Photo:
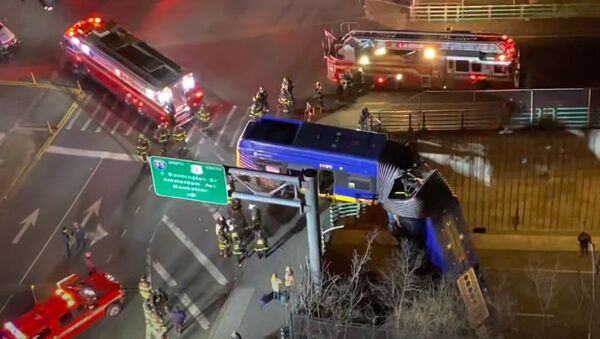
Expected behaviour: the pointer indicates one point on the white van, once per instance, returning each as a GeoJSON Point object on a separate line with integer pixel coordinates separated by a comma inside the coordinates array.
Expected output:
{"type": "Point", "coordinates": [8, 39]}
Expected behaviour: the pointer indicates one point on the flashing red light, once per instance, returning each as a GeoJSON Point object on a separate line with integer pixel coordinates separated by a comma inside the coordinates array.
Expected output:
{"type": "Point", "coordinates": [97, 20]}
{"type": "Point", "coordinates": [71, 32]}
{"type": "Point", "coordinates": [199, 94]}
{"type": "Point", "coordinates": [380, 80]}
{"type": "Point", "coordinates": [472, 77]}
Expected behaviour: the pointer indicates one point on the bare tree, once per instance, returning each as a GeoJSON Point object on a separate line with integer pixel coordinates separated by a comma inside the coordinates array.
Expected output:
{"type": "Point", "coordinates": [544, 287]}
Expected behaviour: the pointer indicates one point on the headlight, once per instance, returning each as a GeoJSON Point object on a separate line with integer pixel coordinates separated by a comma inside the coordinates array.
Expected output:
{"type": "Point", "coordinates": [429, 53]}
{"type": "Point", "coordinates": [363, 60]}
{"type": "Point", "coordinates": [85, 49]}
{"type": "Point", "coordinates": [88, 292]}
{"type": "Point", "coordinates": [75, 41]}
{"type": "Point", "coordinates": [188, 82]}
{"type": "Point", "coordinates": [150, 93]}
{"type": "Point", "coordinates": [164, 96]}
{"type": "Point", "coordinates": [380, 51]}
{"type": "Point", "coordinates": [399, 77]}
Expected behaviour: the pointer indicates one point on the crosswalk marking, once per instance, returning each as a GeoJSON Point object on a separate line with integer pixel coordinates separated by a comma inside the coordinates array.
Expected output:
{"type": "Point", "coordinates": [99, 105]}
{"type": "Point", "coordinates": [108, 114]}
{"type": "Point", "coordinates": [89, 153]}
{"type": "Point", "coordinates": [130, 129]}
{"type": "Point", "coordinates": [183, 297]}
{"type": "Point", "coordinates": [201, 257]}
{"type": "Point", "coordinates": [114, 129]}
{"type": "Point", "coordinates": [70, 124]}
{"type": "Point", "coordinates": [225, 124]}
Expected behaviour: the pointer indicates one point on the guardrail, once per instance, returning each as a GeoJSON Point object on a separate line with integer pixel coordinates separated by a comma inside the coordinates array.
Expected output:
{"type": "Point", "coordinates": [458, 12]}
{"type": "Point", "coordinates": [331, 216]}
{"type": "Point", "coordinates": [576, 108]}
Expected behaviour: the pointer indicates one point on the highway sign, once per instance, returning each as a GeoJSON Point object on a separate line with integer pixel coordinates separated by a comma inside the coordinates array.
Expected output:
{"type": "Point", "coordinates": [189, 180]}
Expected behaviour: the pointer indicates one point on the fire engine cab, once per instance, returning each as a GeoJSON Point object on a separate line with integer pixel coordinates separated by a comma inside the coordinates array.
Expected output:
{"type": "Point", "coordinates": [415, 59]}
{"type": "Point", "coordinates": [144, 78]}
{"type": "Point", "coordinates": [75, 305]}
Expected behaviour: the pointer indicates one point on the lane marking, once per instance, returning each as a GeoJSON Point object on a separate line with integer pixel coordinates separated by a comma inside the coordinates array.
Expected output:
{"type": "Point", "coordinates": [106, 116]}
{"type": "Point", "coordinates": [225, 124]}
{"type": "Point", "coordinates": [148, 266]}
{"type": "Point", "coordinates": [6, 302]}
{"type": "Point", "coordinates": [201, 257]}
{"type": "Point", "coordinates": [149, 188]}
{"type": "Point", "coordinates": [130, 129]}
{"type": "Point", "coordinates": [123, 233]}
{"type": "Point", "coordinates": [146, 127]}
{"type": "Point", "coordinates": [183, 297]}
{"type": "Point", "coordinates": [137, 210]}
{"type": "Point", "coordinates": [154, 233]}
{"type": "Point", "coordinates": [60, 222]}
{"type": "Point", "coordinates": [89, 120]}
{"type": "Point", "coordinates": [89, 153]}
{"type": "Point", "coordinates": [109, 257]}
{"type": "Point", "coordinates": [116, 126]}
{"type": "Point", "coordinates": [72, 121]}
{"type": "Point", "coordinates": [219, 156]}
{"type": "Point", "coordinates": [235, 136]}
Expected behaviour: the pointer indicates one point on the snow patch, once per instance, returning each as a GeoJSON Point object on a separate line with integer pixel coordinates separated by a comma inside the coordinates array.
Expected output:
{"type": "Point", "coordinates": [471, 166]}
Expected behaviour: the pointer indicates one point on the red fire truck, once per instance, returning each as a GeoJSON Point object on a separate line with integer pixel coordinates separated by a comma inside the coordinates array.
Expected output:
{"type": "Point", "coordinates": [75, 305]}
{"type": "Point", "coordinates": [155, 85]}
{"type": "Point", "coordinates": [448, 60]}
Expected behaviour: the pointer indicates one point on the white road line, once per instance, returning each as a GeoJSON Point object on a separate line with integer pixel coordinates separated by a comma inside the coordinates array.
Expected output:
{"type": "Point", "coordinates": [190, 135]}
{"type": "Point", "coordinates": [137, 210]}
{"type": "Point", "coordinates": [73, 119]}
{"type": "Point", "coordinates": [108, 114]}
{"type": "Point", "coordinates": [235, 136]}
{"type": "Point", "coordinates": [123, 233]}
{"type": "Point", "coordinates": [219, 156]}
{"type": "Point", "coordinates": [130, 129]}
{"type": "Point", "coordinates": [183, 297]}
{"type": "Point", "coordinates": [149, 188]}
{"type": "Point", "coordinates": [89, 153]}
{"type": "Point", "coordinates": [148, 266]}
{"type": "Point", "coordinates": [225, 124]}
{"type": "Point", "coordinates": [6, 302]}
{"type": "Point", "coordinates": [60, 222]}
{"type": "Point", "coordinates": [99, 105]}
{"type": "Point", "coordinates": [116, 126]}
{"type": "Point", "coordinates": [201, 257]}
{"type": "Point", "coordinates": [109, 257]}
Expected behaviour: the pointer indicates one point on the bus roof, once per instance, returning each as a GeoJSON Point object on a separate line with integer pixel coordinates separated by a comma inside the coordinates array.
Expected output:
{"type": "Point", "coordinates": [135, 54]}
{"type": "Point", "coordinates": [330, 139]}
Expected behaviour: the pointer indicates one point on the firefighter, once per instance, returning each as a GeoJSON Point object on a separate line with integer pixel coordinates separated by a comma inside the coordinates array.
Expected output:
{"type": "Point", "coordinates": [255, 217]}
{"type": "Point", "coordinates": [163, 136]}
{"type": "Point", "coordinates": [145, 288]}
{"type": "Point", "coordinates": [261, 246]}
{"type": "Point", "coordinates": [318, 96]}
{"type": "Point", "coordinates": [344, 85]}
{"type": "Point", "coordinates": [203, 117]}
{"type": "Point", "coordinates": [148, 311]}
{"type": "Point", "coordinates": [309, 112]}
{"type": "Point", "coordinates": [235, 205]}
{"type": "Point", "coordinates": [179, 136]}
{"type": "Point", "coordinates": [364, 119]}
{"type": "Point", "coordinates": [160, 301]}
{"type": "Point", "coordinates": [286, 102]}
{"type": "Point", "coordinates": [143, 148]}
{"type": "Point", "coordinates": [159, 323]}
{"type": "Point", "coordinates": [238, 248]}
{"type": "Point", "coordinates": [261, 98]}
{"type": "Point", "coordinates": [224, 243]}
{"type": "Point", "coordinates": [287, 87]}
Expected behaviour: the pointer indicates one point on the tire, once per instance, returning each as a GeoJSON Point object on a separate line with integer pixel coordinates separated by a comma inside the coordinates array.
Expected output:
{"type": "Point", "coordinates": [113, 310]}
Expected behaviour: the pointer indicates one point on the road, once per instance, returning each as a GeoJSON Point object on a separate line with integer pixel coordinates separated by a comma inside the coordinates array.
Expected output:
{"type": "Point", "coordinates": [88, 174]}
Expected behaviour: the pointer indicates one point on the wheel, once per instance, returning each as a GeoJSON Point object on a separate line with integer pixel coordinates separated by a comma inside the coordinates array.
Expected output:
{"type": "Point", "coordinates": [113, 309]}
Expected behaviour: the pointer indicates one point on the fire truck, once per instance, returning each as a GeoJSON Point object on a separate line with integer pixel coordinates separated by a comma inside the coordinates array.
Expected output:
{"type": "Point", "coordinates": [75, 304]}
{"type": "Point", "coordinates": [144, 78]}
{"type": "Point", "coordinates": [430, 60]}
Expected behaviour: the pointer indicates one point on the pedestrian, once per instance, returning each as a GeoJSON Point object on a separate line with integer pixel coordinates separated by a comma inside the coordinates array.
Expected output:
{"type": "Point", "coordinates": [238, 248]}
{"type": "Point", "coordinates": [275, 285]}
{"type": "Point", "coordinates": [584, 242]}
{"type": "Point", "coordinates": [178, 317]}
{"type": "Point", "coordinates": [79, 236]}
{"type": "Point", "coordinates": [89, 263]}
{"type": "Point", "coordinates": [261, 246]}
{"type": "Point", "coordinates": [66, 236]}
{"type": "Point", "coordinates": [289, 278]}
{"type": "Point", "coordinates": [145, 288]}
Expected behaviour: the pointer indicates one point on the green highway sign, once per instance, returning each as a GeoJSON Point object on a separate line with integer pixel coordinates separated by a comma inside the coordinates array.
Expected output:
{"type": "Point", "coordinates": [189, 180]}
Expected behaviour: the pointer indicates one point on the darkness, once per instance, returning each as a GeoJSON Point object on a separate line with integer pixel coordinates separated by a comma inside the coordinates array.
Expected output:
{"type": "Point", "coordinates": [564, 62]}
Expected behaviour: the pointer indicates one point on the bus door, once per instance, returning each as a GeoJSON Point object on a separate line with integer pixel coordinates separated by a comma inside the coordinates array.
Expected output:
{"type": "Point", "coordinates": [326, 180]}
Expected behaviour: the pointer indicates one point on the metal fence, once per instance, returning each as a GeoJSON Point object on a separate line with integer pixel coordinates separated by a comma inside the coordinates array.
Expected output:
{"type": "Point", "coordinates": [577, 108]}
{"type": "Point", "coordinates": [459, 12]}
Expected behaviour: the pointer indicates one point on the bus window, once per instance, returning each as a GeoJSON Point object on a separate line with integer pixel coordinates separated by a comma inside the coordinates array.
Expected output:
{"type": "Point", "coordinates": [450, 66]}
{"type": "Point", "coordinates": [461, 66]}
{"type": "Point", "coordinates": [326, 181]}
{"type": "Point", "coordinates": [476, 67]}
{"type": "Point", "coordinates": [43, 334]}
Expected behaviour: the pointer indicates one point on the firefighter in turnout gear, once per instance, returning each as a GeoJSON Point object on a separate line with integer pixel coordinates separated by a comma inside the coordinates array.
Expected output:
{"type": "Point", "coordinates": [179, 136]}
{"type": "Point", "coordinates": [203, 117]}
{"type": "Point", "coordinates": [238, 248]}
{"type": "Point", "coordinates": [261, 246]}
{"type": "Point", "coordinates": [318, 96]}
{"type": "Point", "coordinates": [224, 244]}
{"type": "Point", "coordinates": [143, 148]}
{"type": "Point", "coordinates": [145, 288]}
{"type": "Point", "coordinates": [255, 217]}
{"type": "Point", "coordinates": [163, 136]}
{"type": "Point", "coordinates": [158, 323]}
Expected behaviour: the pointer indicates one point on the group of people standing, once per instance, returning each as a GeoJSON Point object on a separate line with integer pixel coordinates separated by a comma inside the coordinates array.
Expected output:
{"type": "Point", "coordinates": [234, 234]}
{"type": "Point", "coordinates": [157, 308]}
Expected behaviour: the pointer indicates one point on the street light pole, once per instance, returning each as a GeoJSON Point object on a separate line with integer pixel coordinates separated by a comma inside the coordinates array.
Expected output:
{"type": "Point", "coordinates": [312, 224]}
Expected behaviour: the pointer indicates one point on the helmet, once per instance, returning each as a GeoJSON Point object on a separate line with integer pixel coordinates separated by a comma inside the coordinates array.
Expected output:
{"type": "Point", "coordinates": [317, 84]}
{"type": "Point", "coordinates": [261, 89]}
